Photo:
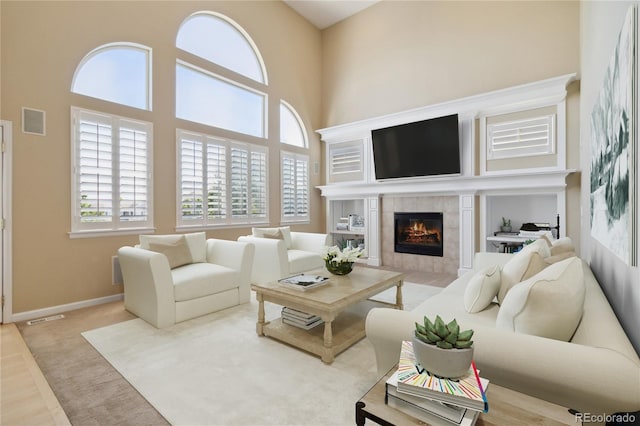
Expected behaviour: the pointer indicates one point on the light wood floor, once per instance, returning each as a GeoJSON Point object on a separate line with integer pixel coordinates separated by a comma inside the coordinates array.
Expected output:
{"type": "Point", "coordinates": [25, 395]}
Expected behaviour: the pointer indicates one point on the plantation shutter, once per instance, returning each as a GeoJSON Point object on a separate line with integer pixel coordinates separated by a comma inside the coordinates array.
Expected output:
{"type": "Point", "coordinates": [521, 138]}
{"type": "Point", "coordinates": [216, 181]}
{"type": "Point", "coordinates": [239, 182]}
{"type": "Point", "coordinates": [295, 187]}
{"type": "Point", "coordinates": [111, 173]}
{"type": "Point", "coordinates": [95, 153]}
{"type": "Point", "coordinates": [346, 161]}
{"type": "Point", "coordinates": [191, 177]}
{"type": "Point", "coordinates": [259, 203]}
{"type": "Point", "coordinates": [134, 181]}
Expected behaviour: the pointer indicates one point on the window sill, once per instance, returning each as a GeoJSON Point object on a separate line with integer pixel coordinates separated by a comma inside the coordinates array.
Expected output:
{"type": "Point", "coordinates": [110, 233]}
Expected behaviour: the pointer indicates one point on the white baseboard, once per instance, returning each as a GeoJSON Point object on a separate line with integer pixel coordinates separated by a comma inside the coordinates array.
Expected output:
{"type": "Point", "coordinates": [53, 310]}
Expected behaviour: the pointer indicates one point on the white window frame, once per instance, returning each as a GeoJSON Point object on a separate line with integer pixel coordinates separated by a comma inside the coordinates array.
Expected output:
{"type": "Point", "coordinates": [116, 46]}
{"type": "Point", "coordinates": [298, 120]}
{"type": "Point", "coordinates": [229, 220]}
{"type": "Point", "coordinates": [296, 218]}
{"type": "Point", "coordinates": [80, 229]}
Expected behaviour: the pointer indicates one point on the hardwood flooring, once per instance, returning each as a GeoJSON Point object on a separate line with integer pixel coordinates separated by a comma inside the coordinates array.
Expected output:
{"type": "Point", "coordinates": [25, 395]}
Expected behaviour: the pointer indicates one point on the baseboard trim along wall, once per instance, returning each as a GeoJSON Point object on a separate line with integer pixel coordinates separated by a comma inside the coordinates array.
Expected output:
{"type": "Point", "coordinates": [53, 310]}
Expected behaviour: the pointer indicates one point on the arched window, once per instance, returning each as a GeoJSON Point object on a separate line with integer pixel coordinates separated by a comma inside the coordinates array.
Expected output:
{"type": "Point", "coordinates": [221, 181]}
{"type": "Point", "coordinates": [118, 72]}
{"type": "Point", "coordinates": [205, 96]}
{"type": "Point", "coordinates": [221, 41]}
{"type": "Point", "coordinates": [292, 130]}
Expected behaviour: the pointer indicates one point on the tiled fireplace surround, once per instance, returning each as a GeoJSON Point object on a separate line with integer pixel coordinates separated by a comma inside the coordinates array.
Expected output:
{"type": "Point", "coordinates": [449, 206]}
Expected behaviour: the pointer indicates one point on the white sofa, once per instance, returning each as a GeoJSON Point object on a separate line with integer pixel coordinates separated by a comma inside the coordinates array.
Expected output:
{"type": "Point", "coordinates": [596, 371]}
{"type": "Point", "coordinates": [280, 253]}
{"type": "Point", "coordinates": [177, 282]}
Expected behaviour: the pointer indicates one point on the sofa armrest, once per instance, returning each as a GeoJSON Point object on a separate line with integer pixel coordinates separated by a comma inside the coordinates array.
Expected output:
{"type": "Point", "coordinates": [585, 378]}
{"type": "Point", "coordinates": [309, 241]}
{"type": "Point", "coordinates": [234, 255]}
{"type": "Point", "coordinates": [270, 260]}
{"type": "Point", "coordinates": [148, 285]}
{"type": "Point", "coordinates": [484, 259]}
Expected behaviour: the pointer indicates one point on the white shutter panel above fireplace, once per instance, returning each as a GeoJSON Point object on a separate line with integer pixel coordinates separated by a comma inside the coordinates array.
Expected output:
{"type": "Point", "coordinates": [346, 161]}
{"type": "Point", "coordinates": [521, 138]}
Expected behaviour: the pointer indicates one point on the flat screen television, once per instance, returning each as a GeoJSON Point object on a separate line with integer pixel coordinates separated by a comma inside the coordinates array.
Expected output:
{"type": "Point", "coordinates": [424, 148]}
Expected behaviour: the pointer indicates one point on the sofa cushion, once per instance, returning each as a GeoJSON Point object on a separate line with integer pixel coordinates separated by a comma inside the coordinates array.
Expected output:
{"type": "Point", "coordinates": [196, 241]}
{"type": "Point", "coordinates": [202, 279]}
{"type": "Point", "coordinates": [301, 261]}
{"type": "Point", "coordinates": [523, 265]}
{"type": "Point", "coordinates": [549, 304]}
{"type": "Point", "coordinates": [482, 289]}
{"type": "Point", "coordinates": [280, 233]}
{"type": "Point", "coordinates": [177, 252]}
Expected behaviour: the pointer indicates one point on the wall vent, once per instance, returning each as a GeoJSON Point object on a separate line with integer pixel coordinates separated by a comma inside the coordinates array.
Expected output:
{"type": "Point", "coordinates": [46, 319]}
{"type": "Point", "coordinates": [116, 272]}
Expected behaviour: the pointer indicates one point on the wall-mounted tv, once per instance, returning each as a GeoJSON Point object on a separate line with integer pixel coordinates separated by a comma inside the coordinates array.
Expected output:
{"type": "Point", "coordinates": [424, 148]}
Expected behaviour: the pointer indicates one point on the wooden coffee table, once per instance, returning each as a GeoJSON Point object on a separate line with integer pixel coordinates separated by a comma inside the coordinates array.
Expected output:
{"type": "Point", "coordinates": [342, 303]}
{"type": "Point", "coordinates": [506, 407]}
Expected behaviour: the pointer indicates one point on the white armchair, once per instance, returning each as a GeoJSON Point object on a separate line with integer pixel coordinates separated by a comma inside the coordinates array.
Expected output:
{"type": "Point", "coordinates": [173, 278]}
{"type": "Point", "coordinates": [277, 258]}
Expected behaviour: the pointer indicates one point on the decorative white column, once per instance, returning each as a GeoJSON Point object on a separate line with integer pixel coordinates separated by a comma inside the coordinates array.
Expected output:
{"type": "Point", "coordinates": [467, 232]}
{"type": "Point", "coordinates": [372, 211]}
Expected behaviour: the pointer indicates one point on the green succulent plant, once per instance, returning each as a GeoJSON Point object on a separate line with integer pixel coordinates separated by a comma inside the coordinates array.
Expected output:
{"type": "Point", "coordinates": [445, 336]}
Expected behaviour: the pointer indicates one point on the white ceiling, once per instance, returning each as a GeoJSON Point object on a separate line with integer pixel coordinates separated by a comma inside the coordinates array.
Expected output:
{"type": "Point", "coordinates": [324, 13]}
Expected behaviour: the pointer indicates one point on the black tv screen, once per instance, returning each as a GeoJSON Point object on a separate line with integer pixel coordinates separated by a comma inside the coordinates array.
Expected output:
{"type": "Point", "coordinates": [424, 148]}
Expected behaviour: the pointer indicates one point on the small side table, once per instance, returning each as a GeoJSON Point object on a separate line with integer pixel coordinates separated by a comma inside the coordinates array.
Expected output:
{"type": "Point", "coordinates": [506, 407]}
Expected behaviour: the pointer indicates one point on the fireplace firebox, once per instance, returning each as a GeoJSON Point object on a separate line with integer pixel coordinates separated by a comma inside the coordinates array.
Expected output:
{"type": "Point", "coordinates": [418, 233]}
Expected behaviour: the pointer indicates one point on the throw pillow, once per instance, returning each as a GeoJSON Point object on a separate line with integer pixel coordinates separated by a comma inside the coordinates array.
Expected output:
{"type": "Point", "coordinates": [549, 304]}
{"type": "Point", "coordinates": [177, 252]}
{"type": "Point", "coordinates": [562, 245]}
{"type": "Point", "coordinates": [521, 264]}
{"type": "Point", "coordinates": [280, 233]}
{"type": "Point", "coordinates": [482, 289]}
{"type": "Point", "coordinates": [196, 242]}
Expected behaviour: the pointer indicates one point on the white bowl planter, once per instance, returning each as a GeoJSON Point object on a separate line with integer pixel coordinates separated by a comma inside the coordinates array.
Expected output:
{"type": "Point", "coordinates": [449, 363]}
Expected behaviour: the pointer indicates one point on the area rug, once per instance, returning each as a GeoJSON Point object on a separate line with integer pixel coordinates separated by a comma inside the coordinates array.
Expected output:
{"type": "Point", "coordinates": [215, 370]}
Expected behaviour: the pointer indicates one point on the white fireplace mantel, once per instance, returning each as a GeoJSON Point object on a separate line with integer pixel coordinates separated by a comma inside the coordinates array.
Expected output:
{"type": "Point", "coordinates": [475, 179]}
{"type": "Point", "coordinates": [551, 180]}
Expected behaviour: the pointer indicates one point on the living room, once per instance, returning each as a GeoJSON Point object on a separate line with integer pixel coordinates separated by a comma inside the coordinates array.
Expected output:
{"type": "Point", "coordinates": [390, 57]}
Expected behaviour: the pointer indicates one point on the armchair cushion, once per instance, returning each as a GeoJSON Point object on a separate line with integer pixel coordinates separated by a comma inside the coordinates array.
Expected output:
{"type": "Point", "coordinates": [302, 260]}
{"type": "Point", "coordinates": [177, 252]}
{"type": "Point", "coordinates": [202, 279]}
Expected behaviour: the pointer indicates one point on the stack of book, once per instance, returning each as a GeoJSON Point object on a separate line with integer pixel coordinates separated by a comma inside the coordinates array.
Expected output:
{"type": "Point", "coordinates": [432, 399]}
{"type": "Point", "coordinates": [300, 319]}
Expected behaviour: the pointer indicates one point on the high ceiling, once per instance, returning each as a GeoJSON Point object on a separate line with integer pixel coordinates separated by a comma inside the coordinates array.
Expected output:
{"type": "Point", "coordinates": [324, 13]}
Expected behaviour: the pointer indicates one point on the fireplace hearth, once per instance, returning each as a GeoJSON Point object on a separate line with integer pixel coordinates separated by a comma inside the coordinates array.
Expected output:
{"type": "Point", "coordinates": [419, 233]}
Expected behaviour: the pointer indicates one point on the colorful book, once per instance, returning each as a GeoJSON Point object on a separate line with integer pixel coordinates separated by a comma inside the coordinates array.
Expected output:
{"type": "Point", "coordinates": [467, 391]}
{"type": "Point", "coordinates": [411, 404]}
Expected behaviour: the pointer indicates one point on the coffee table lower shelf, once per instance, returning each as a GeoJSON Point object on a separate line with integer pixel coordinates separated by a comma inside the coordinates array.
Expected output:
{"type": "Point", "coordinates": [346, 330]}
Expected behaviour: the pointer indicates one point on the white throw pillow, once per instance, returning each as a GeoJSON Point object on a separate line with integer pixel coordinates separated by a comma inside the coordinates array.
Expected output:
{"type": "Point", "coordinates": [481, 289]}
{"type": "Point", "coordinates": [522, 265]}
{"type": "Point", "coordinates": [178, 253]}
{"type": "Point", "coordinates": [549, 304]}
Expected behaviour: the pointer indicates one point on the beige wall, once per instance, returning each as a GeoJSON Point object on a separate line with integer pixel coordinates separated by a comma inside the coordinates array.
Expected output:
{"type": "Point", "coordinates": [398, 55]}
{"type": "Point", "coordinates": [42, 43]}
